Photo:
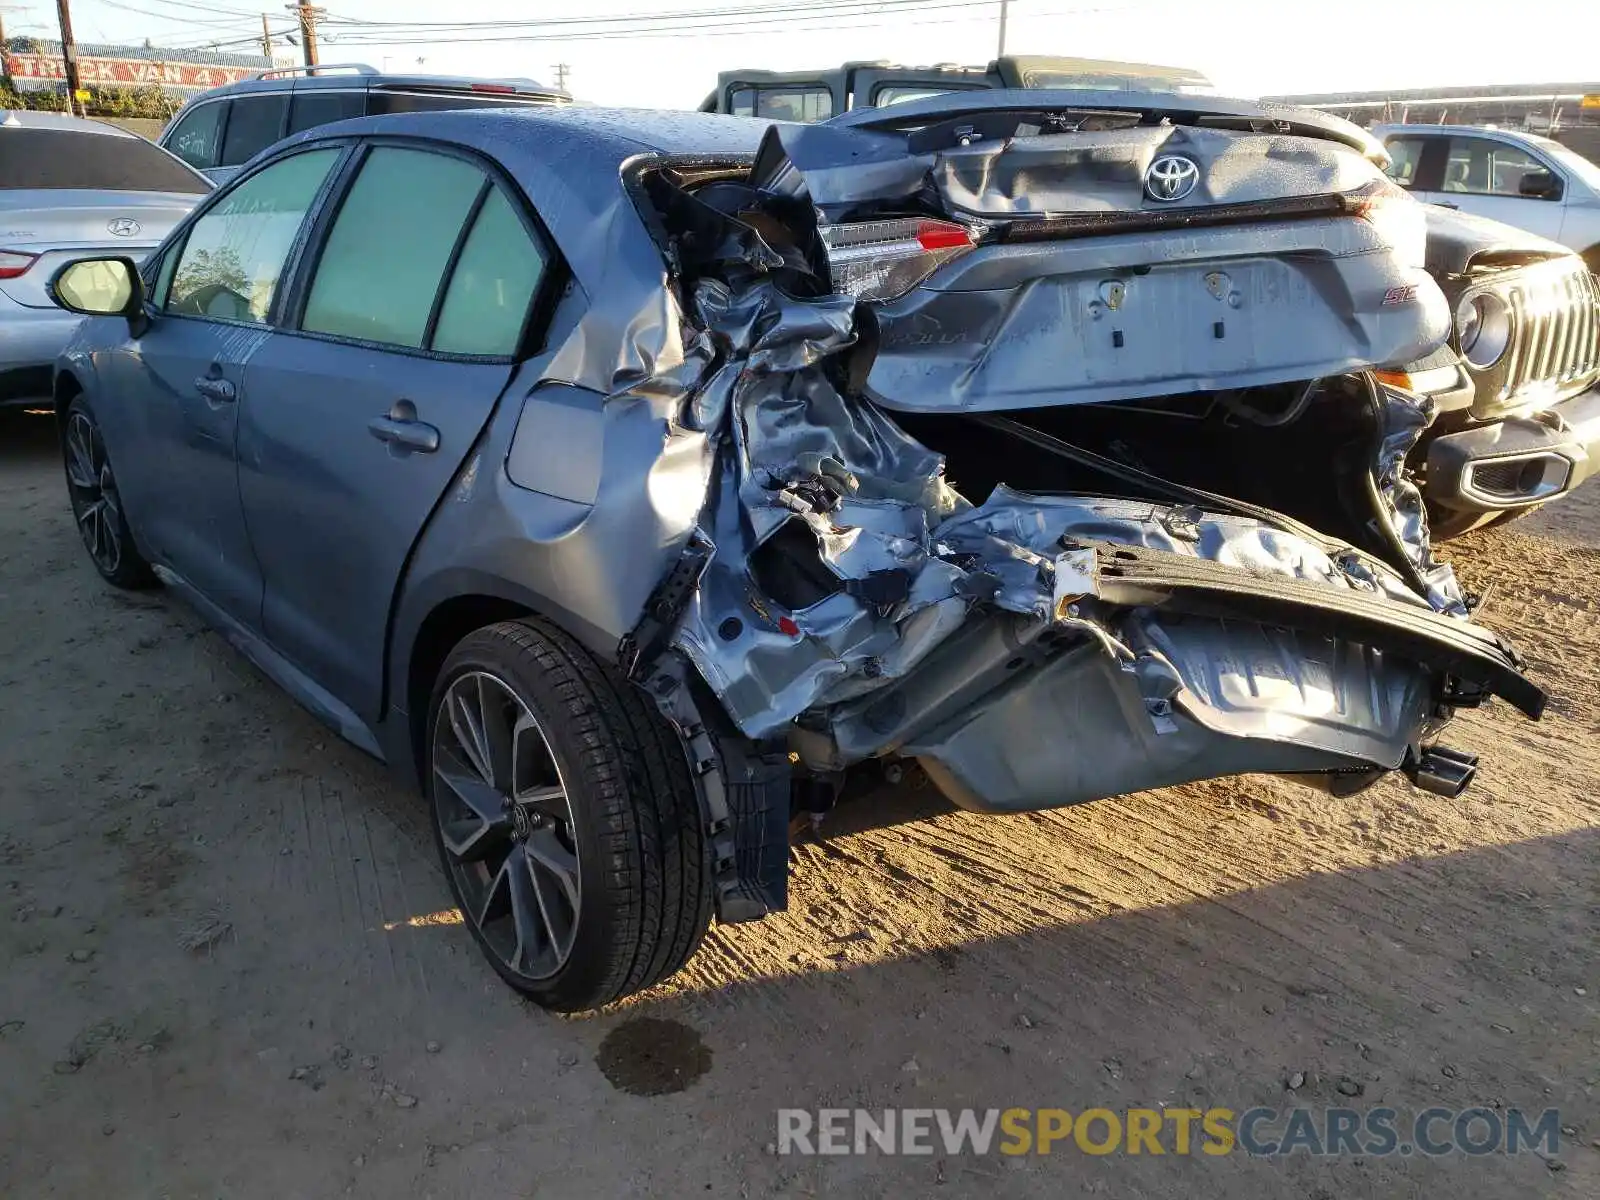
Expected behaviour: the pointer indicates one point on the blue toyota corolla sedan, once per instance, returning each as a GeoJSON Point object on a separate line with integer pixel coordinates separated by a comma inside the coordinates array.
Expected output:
{"type": "Point", "coordinates": [625, 479]}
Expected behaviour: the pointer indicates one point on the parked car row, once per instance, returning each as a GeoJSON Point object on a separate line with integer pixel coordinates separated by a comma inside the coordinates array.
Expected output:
{"type": "Point", "coordinates": [69, 188]}
{"type": "Point", "coordinates": [679, 467]}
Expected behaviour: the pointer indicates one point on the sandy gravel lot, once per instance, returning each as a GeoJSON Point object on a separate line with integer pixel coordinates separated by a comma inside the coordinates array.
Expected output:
{"type": "Point", "coordinates": [227, 967]}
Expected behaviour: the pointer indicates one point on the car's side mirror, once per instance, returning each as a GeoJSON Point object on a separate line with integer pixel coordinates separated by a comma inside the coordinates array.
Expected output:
{"type": "Point", "coordinates": [1540, 185]}
{"type": "Point", "coordinates": [102, 287]}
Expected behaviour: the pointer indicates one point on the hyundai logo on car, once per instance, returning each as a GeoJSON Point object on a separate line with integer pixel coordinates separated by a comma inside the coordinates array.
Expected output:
{"type": "Point", "coordinates": [1171, 177]}
{"type": "Point", "coordinates": [122, 227]}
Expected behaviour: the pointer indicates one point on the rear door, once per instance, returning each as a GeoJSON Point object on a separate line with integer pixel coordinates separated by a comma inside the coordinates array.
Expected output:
{"type": "Point", "coordinates": [255, 121]}
{"type": "Point", "coordinates": [408, 321]}
{"type": "Point", "coordinates": [318, 101]}
{"type": "Point", "coordinates": [1483, 176]}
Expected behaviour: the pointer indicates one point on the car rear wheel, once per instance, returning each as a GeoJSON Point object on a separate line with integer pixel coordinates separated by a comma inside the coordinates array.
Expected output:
{"type": "Point", "coordinates": [566, 818]}
{"type": "Point", "coordinates": [97, 504]}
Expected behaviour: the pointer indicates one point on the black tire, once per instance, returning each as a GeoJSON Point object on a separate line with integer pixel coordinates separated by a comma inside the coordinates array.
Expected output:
{"type": "Point", "coordinates": [644, 871]}
{"type": "Point", "coordinates": [96, 502]}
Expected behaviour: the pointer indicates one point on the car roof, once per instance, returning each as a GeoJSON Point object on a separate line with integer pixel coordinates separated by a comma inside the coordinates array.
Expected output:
{"type": "Point", "coordinates": [540, 135]}
{"type": "Point", "coordinates": [18, 118]}
{"type": "Point", "coordinates": [569, 160]}
{"type": "Point", "coordinates": [359, 75]}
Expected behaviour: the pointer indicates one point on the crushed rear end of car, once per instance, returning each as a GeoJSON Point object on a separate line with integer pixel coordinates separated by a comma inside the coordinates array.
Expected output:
{"type": "Point", "coordinates": [1060, 486]}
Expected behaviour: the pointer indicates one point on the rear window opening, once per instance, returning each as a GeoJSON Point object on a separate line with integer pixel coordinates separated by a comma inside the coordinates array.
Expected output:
{"type": "Point", "coordinates": [85, 161]}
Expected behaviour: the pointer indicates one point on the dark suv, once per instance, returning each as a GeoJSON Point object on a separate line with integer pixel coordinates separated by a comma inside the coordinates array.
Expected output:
{"type": "Point", "coordinates": [818, 95]}
{"type": "Point", "coordinates": [219, 131]}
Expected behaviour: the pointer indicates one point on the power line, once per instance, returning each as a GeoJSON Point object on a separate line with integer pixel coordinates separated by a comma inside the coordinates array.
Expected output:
{"type": "Point", "coordinates": [746, 9]}
{"type": "Point", "coordinates": [212, 9]}
{"type": "Point", "coordinates": [818, 8]}
{"type": "Point", "coordinates": [783, 17]}
{"type": "Point", "coordinates": [233, 22]}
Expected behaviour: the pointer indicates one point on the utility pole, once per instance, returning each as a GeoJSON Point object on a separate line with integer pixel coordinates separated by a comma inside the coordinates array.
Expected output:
{"type": "Point", "coordinates": [266, 39]}
{"type": "Point", "coordinates": [69, 57]}
{"type": "Point", "coordinates": [562, 70]}
{"type": "Point", "coordinates": [1004, 5]}
{"type": "Point", "coordinates": [309, 16]}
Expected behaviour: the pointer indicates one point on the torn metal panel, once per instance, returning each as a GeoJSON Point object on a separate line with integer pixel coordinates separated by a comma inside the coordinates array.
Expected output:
{"type": "Point", "coordinates": [1222, 698]}
{"type": "Point", "coordinates": [1402, 418]}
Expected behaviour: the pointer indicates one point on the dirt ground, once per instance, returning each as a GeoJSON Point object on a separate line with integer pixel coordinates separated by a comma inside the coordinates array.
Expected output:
{"type": "Point", "coordinates": [228, 968]}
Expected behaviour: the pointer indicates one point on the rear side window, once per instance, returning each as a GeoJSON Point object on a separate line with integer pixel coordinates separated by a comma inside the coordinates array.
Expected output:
{"type": "Point", "coordinates": [255, 123]}
{"type": "Point", "coordinates": [888, 94]}
{"type": "Point", "coordinates": [379, 102]}
{"type": "Point", "coordinates": [73, 159]}
{"type": "Point", "coordinates": [1406, 153]}
{"type": "Point", "coordinates": [390, 246]}
{"type": "Point", "coordinates": [1487, 167]}
{"type": "Point", "coordinates": [197, 137]}
{"type": "Point", "coordinates": [782, 103]}
{"type": "Point", "coordinates": [495, 278]}
{"type": "Point", "coordinates": [307, 110]}
{"type": "Point", "coordinates": [234, 255]}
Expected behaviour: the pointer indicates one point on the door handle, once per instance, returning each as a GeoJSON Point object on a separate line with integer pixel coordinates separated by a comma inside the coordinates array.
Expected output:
{"type": "Point", "coordinates": [401, 430]}
{"type": "Point", "coordinates": [218, 391]}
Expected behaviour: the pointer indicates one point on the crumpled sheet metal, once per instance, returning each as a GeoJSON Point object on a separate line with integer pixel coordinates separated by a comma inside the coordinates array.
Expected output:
{"type": "Point", "coordinates": [1403, 417]}
{"type": "Point", "coordinates": [783, 416]}
{"type": "Point", "coordinates": [1241, 697]}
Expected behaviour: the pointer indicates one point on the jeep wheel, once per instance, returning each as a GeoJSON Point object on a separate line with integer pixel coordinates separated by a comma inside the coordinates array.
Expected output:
{"type": "Point", "coordinates": [566, 818]}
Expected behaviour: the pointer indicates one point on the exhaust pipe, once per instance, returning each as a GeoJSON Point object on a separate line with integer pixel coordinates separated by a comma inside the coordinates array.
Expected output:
{"type": "Point", "coordinates": [1441, 771]}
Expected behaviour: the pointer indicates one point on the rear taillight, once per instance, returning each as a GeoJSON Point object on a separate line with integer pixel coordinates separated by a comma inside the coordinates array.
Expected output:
{"type": "Point", "coordinates": [14, 263]}
{"type": "Point", "coordinates": [880, 260]}
{"type": "Point", "coordinates": [1396, 216]}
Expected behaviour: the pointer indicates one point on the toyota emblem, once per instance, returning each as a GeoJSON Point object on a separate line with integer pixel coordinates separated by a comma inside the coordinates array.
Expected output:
{"type": "Point", "coordinates": [122, 227]}
{"type": "Point", "coordinates": [1171, 177]}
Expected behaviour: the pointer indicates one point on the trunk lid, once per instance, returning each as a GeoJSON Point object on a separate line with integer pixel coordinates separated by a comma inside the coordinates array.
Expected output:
{"type": "Point", "coordinates": [1113, 252]}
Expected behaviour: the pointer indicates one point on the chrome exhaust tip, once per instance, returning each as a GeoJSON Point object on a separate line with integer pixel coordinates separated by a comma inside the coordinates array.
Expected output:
{"type": "Point", "coordinates": [1441, 771]}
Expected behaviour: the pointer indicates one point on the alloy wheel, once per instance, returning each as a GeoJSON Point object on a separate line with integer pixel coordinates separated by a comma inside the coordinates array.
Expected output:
{"type": "Point", "coordinates": [95, 502]}
{"type": "Point", "coordinates": [506, 824]}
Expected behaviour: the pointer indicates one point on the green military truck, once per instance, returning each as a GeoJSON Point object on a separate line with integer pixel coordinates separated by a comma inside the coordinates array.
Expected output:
{"type": "Point", "coordinates": [818, 95]}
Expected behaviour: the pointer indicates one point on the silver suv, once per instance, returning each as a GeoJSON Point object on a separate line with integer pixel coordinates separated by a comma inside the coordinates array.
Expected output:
{"type": "Point", "coordinates": [219, 131]}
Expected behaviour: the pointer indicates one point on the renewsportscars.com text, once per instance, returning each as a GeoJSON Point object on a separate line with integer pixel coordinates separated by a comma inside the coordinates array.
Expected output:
{"type": "Point", "coordinates": [1258, 1132]}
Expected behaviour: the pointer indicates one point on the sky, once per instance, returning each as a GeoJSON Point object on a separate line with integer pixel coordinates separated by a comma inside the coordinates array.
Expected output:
{"type": "Point", "coordinates": [1248, 47]}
